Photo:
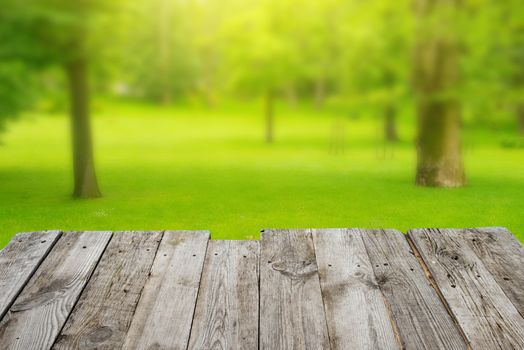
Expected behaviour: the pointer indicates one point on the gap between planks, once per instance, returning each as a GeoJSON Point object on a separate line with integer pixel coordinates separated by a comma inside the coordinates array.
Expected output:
{"type": "Point", "coordinates": [15, 277]}
{"type": "Point", "coordinates": [429, 276]}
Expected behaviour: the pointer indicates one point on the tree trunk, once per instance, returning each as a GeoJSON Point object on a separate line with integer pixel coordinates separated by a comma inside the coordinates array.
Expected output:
{"type": "Point", "coordinates": [292, 96]}
{"type": "Point", "coordinates": [164, 38]}
{"type": "Point", "coordinates": [390, 124]}
{"type": "Point", "coordinates": [436, 75]}
{"type": "Point", "coordinates": [269, 117]}
{"type": "Point", "coordinates": [520, 116]}
{"type": "Point", "coordinates": [320, 92]}
{"type": "Point", "coordinates": [86, 185]}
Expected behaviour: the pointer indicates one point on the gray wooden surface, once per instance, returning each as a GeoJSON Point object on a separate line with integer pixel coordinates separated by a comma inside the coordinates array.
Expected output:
{"type": "Point", "coordinates": [226, 315]}
{"type": "Point", "coordinates": [40, 311]}
{"type": "Point", "coordinates": [293, 289]}
{"type": "Point", "coordinates": [489, 319]}
{"type": "Point", "coordinates": [19, 260]}
{"type": "Point", "coordinates": [347, 279]}
{"type": "Point", "coordinates": [164, 313]}
{"type": "Point", "coordinates": [420, 316]}
{"type": "Point", "coordinates": [103, 314]}
{"type": "Point", "coordinates": [291, 308]}
{"type": "Point", "coordinates": [502, 255]}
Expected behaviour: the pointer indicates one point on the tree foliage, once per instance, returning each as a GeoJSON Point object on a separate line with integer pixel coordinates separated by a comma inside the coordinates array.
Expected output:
{"type": "Point", "coordinates": [340, 50]}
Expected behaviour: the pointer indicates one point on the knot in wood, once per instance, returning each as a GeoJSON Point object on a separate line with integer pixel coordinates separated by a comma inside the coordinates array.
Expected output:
{"type": "Point", "coordinates": [36, 301]}
{"type": "Point", "coordinates": [382, 279]}
{"type": "Point", "coordinates": [296, 269]}
{"type": "Point", "coordinates": [96, 337]}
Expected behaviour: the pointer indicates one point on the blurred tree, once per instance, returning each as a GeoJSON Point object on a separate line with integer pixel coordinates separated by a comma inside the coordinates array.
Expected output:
{"type": "Point", "coordinates": [264, 62]}
{"type": "Point", "coordinates": [493, 90]}
{"type": "Point", "coordinates": [436, 79]}
{"type": "Point", "coordinates": [159, 59]}
{"type": "Point", "coordinates": [42, 33]}
{"type": "Point", "coordinates": [392, 54]}
{"type": "Point", "coordinates": [207, 21]}
{"type": "Point", "coordinates": [518, 82]}
{"type": "Point", "coordinates": [375, 56]}
{"type": "Point", "coordinates": [17, 84]}
{"type": "Point", "coordinates": [318, 36]}
{"type": "Point", "coordinates": [164, 45]}
{"type": "Point", "coordinates": [514, 19]}
{"type": "Point", "coordinates": [15, 90]}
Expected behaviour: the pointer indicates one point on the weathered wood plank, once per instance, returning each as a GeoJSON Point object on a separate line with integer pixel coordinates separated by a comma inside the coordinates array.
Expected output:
{"type": "Point", "coordinates": [164, 313]}
{"type": "Point", "coordinates": [103, 314]}
{"type": "Point", "coordinates": [40, 311]}
{"type": "Point", "coordinates": [487, 316]}
{"type": "Point", "coordinates": [356, 312]}
{"type": "Point", "coordinates": [226, 315]}
{"type": "Point", "coordinates": [19, 260]}
{"type": "Point", "coordinates": [502, 255]}
{"type": "Point", "coordinates": [421, 318]}
{"type": "Point", "coordinates": [291, 308]}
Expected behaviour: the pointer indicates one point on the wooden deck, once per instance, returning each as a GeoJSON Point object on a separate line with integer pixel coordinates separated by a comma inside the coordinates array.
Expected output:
{"type": "Point", "coordinates": [293, 289]}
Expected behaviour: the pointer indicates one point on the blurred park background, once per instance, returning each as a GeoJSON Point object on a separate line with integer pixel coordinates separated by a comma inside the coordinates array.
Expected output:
{"type": "Point", "coordinates": [236, 115]}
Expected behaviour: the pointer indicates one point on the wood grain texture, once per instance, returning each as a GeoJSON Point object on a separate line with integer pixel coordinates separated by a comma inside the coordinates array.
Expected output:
{"type": "Point", "coordinates": [487, 316]}
{"type": "Point", "coordinates": [40, 311]}
{"type": "Point", "coordinates": [356, 311]}
{"type": "Point", "coordinates": [502, 255]}
{"type": "Point", "coordinates": [164, 313]}
{"type": "Point", "coordinates": [19, 260]}
{"type": "Point", "coordinates": [103, 314]}
{"type": "Point", "coordinates": [226, 315]}
{"type": "Point", "coordinates": [291, 308]}
{"type": "Point", "coordinates": [421, 318]}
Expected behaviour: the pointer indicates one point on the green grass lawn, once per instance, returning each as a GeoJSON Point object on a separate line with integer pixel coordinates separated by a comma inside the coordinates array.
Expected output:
{"type": "Point", "coordinates": [196, 169]}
